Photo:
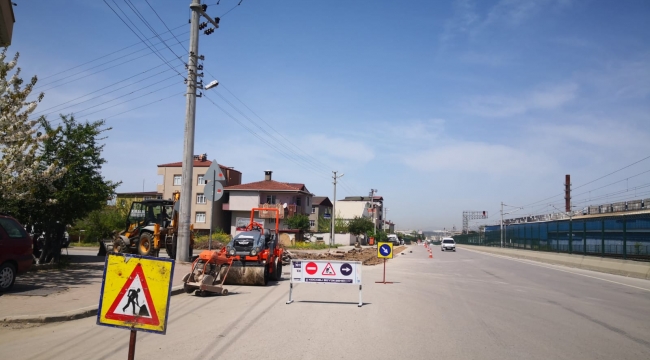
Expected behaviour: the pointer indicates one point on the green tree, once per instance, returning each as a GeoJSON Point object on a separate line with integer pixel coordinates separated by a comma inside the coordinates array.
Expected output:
{"type": "Point", "coordinates": [340, 225]}
{"type": "Point", "coordinates": [298, 222]}
{"type": "Point", "coordinates": [102, 223]}
{"type": "Point", "coordinates": [74, 147]}
{"type": "Point", "coordinates": [21, 168]}
{"type": "Point", "coordinates": [324, 225]}
{"type": "Point", "coordinates": [359, 225]}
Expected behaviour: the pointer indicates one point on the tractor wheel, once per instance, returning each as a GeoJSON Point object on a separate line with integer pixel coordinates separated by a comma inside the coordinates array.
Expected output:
{"type": "Point", "coordinates": [120, 246]}
{"type": "Point", "coordinates": [278, 274]}
{"type": "Point", "coordinates": [145, 244]}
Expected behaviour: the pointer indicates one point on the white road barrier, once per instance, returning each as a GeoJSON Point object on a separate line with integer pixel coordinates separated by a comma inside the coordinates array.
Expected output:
{"type": "Point", "coordinates": [325, 272]}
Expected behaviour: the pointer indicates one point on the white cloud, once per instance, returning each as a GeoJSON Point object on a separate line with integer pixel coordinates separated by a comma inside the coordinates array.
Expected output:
{"type": "Point", "coordinates": [354, 150]}
{"type": "Point", "coordinates": [547, 98]}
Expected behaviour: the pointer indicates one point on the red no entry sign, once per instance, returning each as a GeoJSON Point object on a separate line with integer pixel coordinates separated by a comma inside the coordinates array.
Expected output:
{"type": "Point", "coordinates": [311, 268]}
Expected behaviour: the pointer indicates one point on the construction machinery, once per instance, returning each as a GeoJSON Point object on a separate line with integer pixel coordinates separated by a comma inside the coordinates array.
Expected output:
{"type": "Point", "coordinates": [150, 226]}
{"type": "Point", "coordinates": [255, 254]}
{"type": "Point", "coordinates": [208, 274]}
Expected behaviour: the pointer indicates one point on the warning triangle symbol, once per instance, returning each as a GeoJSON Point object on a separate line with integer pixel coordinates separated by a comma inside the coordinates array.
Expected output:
{"type": "Point", "coordinates": [133, 304]}
{"type": "Point", "coordinates": [329, 270]}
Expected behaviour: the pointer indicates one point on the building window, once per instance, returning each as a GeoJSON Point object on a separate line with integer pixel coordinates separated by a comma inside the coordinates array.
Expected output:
{"type": "Point", "coordinates": [200, 180]}
{"type": "Point", "coordinates": [159, 197]}
{"type": "Point", "coordinates": [177, 180]}
{"type": "Point", "coordinates": [313, 209]}
{"type": "Point", "coordinates": [270, 199]}
{"type": "Point", "coordinates": [298, 200]}
{"type": "Point", "coordinates": [200, 217]}
{"type": "Point", "coordinates": [200, 198]}
{"type": "Point", "coordinates": [312, 223]}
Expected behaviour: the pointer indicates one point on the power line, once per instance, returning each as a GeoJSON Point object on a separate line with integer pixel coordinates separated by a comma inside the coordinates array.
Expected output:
{"type": "Point", "coordinates": [265, 141]}
{"type": "Point", "coordinates": [142, 18]}
{"type": "Point", "coordinates": [43, 112]}
{"type": "Point", "coordinates": [613, 172]}
{"type": "Point", "coordinates": [109, 54]}
{"type": "Point", "coordinates": [141, 39]}
{"type": "Point", "coordinates": [162, 21]}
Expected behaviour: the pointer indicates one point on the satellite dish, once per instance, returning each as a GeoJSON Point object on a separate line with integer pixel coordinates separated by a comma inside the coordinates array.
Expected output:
{"type": "Point", "coordinates": [284, 205]}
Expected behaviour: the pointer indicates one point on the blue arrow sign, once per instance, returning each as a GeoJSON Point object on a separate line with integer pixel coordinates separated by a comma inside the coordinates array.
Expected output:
{"type": "Point", "coordinates": [346, 269]}
{"type": "Point", "coordinates": [385, 250]}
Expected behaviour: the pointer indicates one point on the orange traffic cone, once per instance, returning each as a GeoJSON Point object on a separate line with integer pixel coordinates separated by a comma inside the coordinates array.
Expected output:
{"type": "Point", "coordinates": [430, 256]}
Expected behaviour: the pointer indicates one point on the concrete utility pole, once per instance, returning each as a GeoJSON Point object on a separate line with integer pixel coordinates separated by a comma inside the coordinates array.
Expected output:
{"type": "Point", "coordinates": [183, 242]}
{"type": "Point", "coordinates": [372, 206]}
{"type": "Point", "coordinates": [501, 224]}
{"type": "Point", "coordinates": [185, 213]}
{"type": "Point", "coordinates": [333, 217]}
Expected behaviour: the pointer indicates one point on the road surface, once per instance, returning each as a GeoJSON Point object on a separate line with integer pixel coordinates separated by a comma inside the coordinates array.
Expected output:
{"type": "Point", "coordinates": [458, 305]}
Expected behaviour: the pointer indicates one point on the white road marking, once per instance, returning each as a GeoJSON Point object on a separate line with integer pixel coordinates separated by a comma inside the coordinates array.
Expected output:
{"type": "Point", "coordinates": [530, 262]}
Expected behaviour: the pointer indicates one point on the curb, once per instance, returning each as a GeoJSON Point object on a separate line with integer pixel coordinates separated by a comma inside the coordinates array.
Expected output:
{"type": "Point", "coordinates": [84, 312]}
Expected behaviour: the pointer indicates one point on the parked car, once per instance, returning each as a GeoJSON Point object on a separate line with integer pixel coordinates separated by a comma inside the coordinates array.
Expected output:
{"type": "Point", "coordinates": [448, 244]}
{"type": "Point", "coordinates": [15, 251]}
{"type": "Point", "coordinates": [393, 239]}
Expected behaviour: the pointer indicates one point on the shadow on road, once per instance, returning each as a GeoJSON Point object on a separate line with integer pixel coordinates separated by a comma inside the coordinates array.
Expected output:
{"type": "Point", "coordinates": [332, 302]}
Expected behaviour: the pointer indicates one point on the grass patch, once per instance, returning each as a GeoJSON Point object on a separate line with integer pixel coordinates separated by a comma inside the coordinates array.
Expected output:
{"type": "Point", "coordinates": [83, 244]}
{"type": "Point", "coordinates": [219, 240]}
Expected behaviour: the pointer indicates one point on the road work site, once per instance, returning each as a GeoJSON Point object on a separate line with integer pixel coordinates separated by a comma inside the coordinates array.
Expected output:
{"type": "Point", "coordinates": [456, 305]}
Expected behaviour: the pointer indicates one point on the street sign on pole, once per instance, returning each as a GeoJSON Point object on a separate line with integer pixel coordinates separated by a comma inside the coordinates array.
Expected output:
{"type": "Point", "coordinates": [214, 173]}
{"type": "Point", "coordinates": [213, 191]}
{"type": "Point", "coordinates": [135, 293]}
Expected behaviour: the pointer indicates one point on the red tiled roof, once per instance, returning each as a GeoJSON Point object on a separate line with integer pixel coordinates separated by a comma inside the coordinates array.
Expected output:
{"type": "Point", "coordinates": [269, 185]}
{"type": "Point", "coordinates": [197, 163]}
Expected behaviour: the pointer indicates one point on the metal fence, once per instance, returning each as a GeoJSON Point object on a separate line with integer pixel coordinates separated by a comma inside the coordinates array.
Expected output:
{"type": "Point", "coordinates": [615, 236]}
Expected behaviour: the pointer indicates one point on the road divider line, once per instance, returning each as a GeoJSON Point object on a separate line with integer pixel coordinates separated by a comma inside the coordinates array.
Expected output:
{"type": "Point", "coordinates": [554, 267]}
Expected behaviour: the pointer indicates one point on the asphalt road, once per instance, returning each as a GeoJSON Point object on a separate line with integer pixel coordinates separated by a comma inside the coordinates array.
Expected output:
{"type": "Point", "coordinates": [462, 305]}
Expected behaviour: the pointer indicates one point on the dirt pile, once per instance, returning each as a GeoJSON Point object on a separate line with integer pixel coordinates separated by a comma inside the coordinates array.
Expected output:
{"type": "Point", "coordinates": [367, 256]}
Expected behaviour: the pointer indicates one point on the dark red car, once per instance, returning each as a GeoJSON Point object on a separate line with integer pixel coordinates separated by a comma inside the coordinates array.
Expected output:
{"type": "Point", "coordinates": [15, 251]}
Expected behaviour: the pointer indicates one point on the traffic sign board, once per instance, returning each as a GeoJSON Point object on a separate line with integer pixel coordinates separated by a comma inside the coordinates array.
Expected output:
{"type": "Point", "coordinates": [135, 293]}
{"type": "Point", "coordinates": [311, 268]}
{"type": "Point", "coordinates": [385, 250]}
{"type": "Point", "coordinates": [346, 269]}
{"type": "Point", "coordinates": [211, 195]}
{"type": "Point", "coordinates": [329, 270]}
{"type": "Point", "coordinates": [214, 173]}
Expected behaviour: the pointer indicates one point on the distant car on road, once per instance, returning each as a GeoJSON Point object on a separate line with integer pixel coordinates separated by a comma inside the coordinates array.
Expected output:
{"type": "Point", "coordinates": [393, 239]}
{"type": "Point", "coordinates": [448, 244]}
{"type": "Point", "coordinates": [15, 251]}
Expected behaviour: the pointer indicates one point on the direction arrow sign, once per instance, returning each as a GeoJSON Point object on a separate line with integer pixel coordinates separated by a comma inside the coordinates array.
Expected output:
{"type": "Point", "coordinates": [385, 250]}
{"type": "Point", "coordinates": [218, 190]}
{"type": "Point", "coordinates": [214, 173]}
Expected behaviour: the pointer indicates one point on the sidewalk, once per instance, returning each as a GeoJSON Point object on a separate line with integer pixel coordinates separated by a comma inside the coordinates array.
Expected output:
{"type": "Point", "coordinates": [60, 295]}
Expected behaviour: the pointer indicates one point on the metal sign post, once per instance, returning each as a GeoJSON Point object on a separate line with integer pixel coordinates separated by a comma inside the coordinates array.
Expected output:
{"type": "Point", "coordinates": [384, 251]}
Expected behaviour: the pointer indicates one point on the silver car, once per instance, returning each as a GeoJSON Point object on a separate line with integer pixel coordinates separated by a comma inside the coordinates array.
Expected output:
{"type": "Point", "coordinates": [448, 244]}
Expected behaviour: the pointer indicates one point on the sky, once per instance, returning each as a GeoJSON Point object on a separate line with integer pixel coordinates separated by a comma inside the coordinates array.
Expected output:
{"type": "Point", "coordinates": [442, 106]}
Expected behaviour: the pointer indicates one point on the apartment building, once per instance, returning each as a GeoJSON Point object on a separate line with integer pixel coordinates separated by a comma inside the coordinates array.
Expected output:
{"type": "Point", "coordinates": [201, 207]}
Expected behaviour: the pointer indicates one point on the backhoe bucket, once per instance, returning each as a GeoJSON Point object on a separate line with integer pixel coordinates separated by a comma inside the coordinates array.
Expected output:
{"type": "Point", "coordinates": [245, 275]}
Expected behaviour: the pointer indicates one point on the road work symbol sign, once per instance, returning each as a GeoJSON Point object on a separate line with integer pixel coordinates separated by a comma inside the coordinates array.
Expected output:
{"type": "Point", "coordinates": [329, 270]}
{"type": "Point", "coordinates": [385, 250]}
{"type": "Point", "coordinates": [135, 293]}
